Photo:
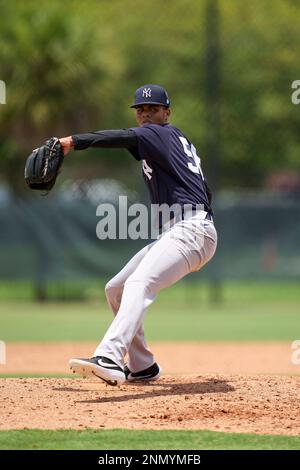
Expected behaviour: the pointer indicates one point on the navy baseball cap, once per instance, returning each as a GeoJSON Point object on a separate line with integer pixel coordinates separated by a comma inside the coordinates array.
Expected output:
{"type": "Point", "coordinates": [151, 94]}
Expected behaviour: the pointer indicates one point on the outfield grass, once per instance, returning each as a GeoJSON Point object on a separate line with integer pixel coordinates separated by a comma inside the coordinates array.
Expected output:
{"type": "Point", "coordinates": [249, 312]}
{"type": "Point", "coordinates": [130, 439]}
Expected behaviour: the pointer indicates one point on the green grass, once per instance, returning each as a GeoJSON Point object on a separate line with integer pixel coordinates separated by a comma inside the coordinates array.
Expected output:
{"type": "Point", "coordinates": [183, 290]}
{"type": "Point", "coordinates": [249, 312]}
{"type": "Point", "coordinates": [130, 439]}
{"type": "Point", "coordinates": [256, 312]}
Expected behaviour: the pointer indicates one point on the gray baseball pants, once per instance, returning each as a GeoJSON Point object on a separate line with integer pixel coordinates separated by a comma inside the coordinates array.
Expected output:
{"type": "Point", "coordinates": [184, 248]}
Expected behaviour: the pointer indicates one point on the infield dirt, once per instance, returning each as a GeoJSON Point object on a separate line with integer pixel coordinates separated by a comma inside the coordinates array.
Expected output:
{"type": "Point", "coordinates": [233, 390]}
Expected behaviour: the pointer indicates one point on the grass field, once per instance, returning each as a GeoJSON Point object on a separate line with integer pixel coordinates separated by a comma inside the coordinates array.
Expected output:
{"type": "Point", "coordinates": [129, 439]}
{"type": "Point", "coordinates": [249, 312]}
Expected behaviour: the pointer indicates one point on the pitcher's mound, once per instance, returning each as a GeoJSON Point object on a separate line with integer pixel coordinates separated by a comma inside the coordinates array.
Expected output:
{"type": "Point", "coordinates": [256, 404]}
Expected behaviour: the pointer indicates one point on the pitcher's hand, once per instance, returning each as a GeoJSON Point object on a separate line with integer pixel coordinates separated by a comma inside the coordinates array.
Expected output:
{"type": "Point", "coordinates": [67, 144]}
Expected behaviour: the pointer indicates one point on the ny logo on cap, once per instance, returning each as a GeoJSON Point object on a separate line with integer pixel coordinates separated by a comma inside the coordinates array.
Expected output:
{"type": "Point", "coordinates": [147, 92]}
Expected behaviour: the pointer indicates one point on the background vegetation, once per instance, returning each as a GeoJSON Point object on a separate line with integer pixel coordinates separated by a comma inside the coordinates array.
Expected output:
{"type": "Point", "coordinates": [228, 66]}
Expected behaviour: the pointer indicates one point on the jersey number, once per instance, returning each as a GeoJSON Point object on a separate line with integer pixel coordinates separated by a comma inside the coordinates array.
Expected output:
{"type": "Point", "coordinates": [194, 163]}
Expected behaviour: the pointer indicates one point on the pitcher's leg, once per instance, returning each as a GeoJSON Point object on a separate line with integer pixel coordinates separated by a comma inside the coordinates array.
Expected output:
{"type": "Point", "coordinates": [162, 266]}
{"type": "Point", "coordinates": [139, 355]}
{"type": "Point", "coordinates": [186, 248]}
{"type": "Point", "coordinates": [114, 287]}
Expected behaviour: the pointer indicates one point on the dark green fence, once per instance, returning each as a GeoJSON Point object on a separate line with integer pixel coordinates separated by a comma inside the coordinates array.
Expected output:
{"type": "Point", "coordinates": [50, 240]}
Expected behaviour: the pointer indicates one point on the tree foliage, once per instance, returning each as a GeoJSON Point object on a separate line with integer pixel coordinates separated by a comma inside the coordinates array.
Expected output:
{"type": "Point", "coordinates": [73, 66]}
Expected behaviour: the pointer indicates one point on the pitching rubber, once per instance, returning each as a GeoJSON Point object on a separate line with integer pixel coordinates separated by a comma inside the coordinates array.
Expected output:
{"type": "Point", "coordinates": [87, 369]}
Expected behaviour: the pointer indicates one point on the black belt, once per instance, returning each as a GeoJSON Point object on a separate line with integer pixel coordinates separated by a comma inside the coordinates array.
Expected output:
{"type": "Point", "coordinates": [208, 217]}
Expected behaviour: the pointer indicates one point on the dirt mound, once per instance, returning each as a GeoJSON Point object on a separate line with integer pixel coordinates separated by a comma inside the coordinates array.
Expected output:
{"type": "Point", "coordinates": [233, 403]}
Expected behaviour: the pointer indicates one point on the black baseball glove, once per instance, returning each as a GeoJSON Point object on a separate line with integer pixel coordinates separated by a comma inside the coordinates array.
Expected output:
{"type": "Point", "coordinates": [43, 165]}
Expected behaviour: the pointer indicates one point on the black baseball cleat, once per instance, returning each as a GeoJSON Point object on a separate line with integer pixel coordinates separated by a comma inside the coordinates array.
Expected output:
{"type": "Point", "coordinates": [99, 366]}
{"type": "Point", "coordinates": [151, 373]}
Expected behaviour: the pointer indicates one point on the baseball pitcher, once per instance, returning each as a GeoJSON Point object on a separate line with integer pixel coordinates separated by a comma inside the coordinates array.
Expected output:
{"type": "Point", "coordinates": [173, 175]}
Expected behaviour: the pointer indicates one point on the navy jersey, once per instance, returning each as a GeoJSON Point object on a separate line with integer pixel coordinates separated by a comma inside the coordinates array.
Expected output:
{"type": "Point", "coordinates": [171, 166]}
